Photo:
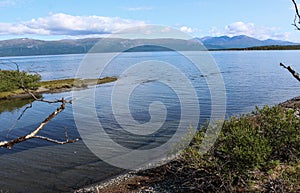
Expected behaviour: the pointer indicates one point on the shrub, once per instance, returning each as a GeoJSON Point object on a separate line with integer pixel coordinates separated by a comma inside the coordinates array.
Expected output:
{"type": "Point", "coordinates": [242, 146]}
{"type": "Point", "coordinates": [249, 146]}
{"type": "Point", "coordinates": [282, 130]}
{"type": "Point", "coordinates": [11, 80]}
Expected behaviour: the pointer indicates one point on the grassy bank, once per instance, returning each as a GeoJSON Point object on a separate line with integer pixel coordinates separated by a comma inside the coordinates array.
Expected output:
{"type": "Point", "coordinates": [55, 86]}
{"type": "Point", "coordinates": [256, 152]}
{"type": "Point", "coordinates": [73, 83]}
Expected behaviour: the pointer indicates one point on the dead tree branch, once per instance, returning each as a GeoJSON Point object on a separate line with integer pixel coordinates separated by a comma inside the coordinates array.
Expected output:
{"type": "Point", "coordinates": [297, 16]}
{"type": "Point", "coordinates": [34, 134]}
{"type": "Point", "coordinates": [291, 70]}
{"type": "Point", "coordinates": [297, 25]}
{"type": "Point", "coordinates": [19, 118]}
{"type": "Point", "coordinates": [55, 141]}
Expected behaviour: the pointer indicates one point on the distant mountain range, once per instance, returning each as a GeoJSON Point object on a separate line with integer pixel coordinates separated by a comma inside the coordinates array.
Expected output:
{"type": "Point", "coordinates": [242, 41]}
{"type": "Point", "coordinates": [25, 46]}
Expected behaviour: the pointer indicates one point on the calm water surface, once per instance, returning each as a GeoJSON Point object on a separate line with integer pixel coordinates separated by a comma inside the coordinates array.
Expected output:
{"type": "Point", "coordinates": [251, 78]}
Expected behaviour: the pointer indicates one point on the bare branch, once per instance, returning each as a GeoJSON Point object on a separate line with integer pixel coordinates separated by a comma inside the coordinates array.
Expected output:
{"type": "Point", "coordinates": [33, 134]}
{"type": "Point", "coordinates": [297, 16]}
{"type": "Point", "coordinates": [292, 71]}
{"type": "Point", "coordinates": [56, 141]}
{"type": "Point", "coordinates": [295, 23]}
{"type": "Point", "coordinates": [23, 112]}
{"type": "Point", "coordinates": [19, 118]}
{"type": "Point", "coordinates": [296, 8]}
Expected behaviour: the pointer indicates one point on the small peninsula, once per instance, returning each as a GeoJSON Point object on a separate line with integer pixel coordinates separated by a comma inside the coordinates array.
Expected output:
{"type": "Point", "coordinates": [55, 86]}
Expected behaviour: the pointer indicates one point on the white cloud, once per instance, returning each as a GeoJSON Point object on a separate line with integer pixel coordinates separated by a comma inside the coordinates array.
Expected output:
{"type": "Point", "coordinates": [238, 28]}
{"type": "Point", "coordinates": [138, 8]}
{"type": "Point", "coordinates": [69, 25]}
{"type": "Point", "coordinates": [250, 29]}
{"type": "Point", "coordinates": [186, 29]}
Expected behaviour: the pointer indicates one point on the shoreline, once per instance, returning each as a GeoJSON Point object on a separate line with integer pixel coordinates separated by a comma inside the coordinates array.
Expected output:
{"type": "Point", "coordinates": [56, 86]}
{"type": "Point", "coordinates": [147, 180]}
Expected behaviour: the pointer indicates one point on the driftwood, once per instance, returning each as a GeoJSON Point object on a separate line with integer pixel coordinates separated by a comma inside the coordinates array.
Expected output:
{"type": "Point", "coordinates": [34, 134]}
{"type": "Point", "coordinates": [291, 70]}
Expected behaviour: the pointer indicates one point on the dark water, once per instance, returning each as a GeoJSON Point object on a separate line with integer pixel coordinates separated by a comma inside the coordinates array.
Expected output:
{"type": "Point", "coordinates": [251, 78]}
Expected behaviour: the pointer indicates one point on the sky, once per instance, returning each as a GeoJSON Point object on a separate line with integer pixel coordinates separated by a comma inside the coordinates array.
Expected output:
{"type": "Point", "coordinates": [68, 19]}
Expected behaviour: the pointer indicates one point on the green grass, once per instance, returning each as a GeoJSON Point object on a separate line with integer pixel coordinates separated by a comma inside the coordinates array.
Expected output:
{"type": "Point", "coordinates": [74, 83]}
{"type": "Point", "coordinates": [56, 85]}
{"type": "Point", "coordinates": [6, 94]}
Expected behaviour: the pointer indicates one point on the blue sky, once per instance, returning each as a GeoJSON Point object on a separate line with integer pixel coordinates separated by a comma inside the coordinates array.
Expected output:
{"type": "Point", "coordinates": [60, 19]}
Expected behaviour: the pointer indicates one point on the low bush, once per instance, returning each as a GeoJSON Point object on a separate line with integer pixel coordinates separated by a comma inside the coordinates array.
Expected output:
{"type": "Point", "coordinates": [249, 146]}
{"type": "Point", "coordinates": [258, 152]}
{"type": "Point", "coordinates": [11, 80]}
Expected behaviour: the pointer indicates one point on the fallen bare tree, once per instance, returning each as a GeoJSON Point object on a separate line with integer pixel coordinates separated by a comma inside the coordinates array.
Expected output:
{"type": "Point", "coordinates": [292, 71]}
{"type": "Point", "coordinates": [34, 134]}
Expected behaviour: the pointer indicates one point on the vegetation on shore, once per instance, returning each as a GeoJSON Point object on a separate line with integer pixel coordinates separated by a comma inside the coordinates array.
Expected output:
{"type": "Point", "coordinates": [272, 47]}
{"type": "Point", "coordinates": [257, 152]}
{"type": "Point", "coordinates": [74, 83]}
{"type": "Point", "coordinates": [12, 80]}
{"type": "Point", "coordinates": [13, 83]}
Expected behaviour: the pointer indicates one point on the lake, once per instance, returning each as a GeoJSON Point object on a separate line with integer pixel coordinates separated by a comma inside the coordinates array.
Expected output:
{"type": "Point", "coordinates": [250, 77]}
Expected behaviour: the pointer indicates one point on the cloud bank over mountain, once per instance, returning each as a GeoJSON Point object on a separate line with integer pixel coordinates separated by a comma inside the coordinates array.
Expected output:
{"type": "Point", "coordinates": [251, 30]}
{"type": "Point", "coordinates": [72, 26]}
{"type": "Point", "coordinates": [69, 25]}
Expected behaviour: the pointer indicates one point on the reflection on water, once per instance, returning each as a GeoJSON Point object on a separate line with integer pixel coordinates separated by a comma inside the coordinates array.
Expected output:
{"type": "Point", "coordinates": [13, 104]}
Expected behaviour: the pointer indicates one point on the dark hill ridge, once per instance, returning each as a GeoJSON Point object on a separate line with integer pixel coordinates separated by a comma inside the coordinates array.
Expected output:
{"type": "Point", "coordinates": [25, 46]}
